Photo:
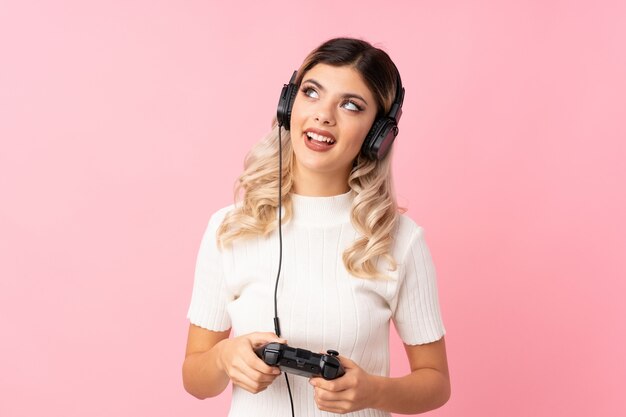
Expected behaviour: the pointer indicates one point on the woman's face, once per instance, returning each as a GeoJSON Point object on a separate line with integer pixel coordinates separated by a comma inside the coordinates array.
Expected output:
{"type": "Point", "coordinates": [331, 115]}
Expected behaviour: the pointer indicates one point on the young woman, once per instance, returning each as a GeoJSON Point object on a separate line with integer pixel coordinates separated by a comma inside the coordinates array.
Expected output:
{"type": "Point", "coordinates": [350, 263]}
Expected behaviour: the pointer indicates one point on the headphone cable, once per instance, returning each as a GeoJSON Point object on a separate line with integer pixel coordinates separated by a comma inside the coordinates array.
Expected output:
{"type": "Point", "coordinates": [280, 248]}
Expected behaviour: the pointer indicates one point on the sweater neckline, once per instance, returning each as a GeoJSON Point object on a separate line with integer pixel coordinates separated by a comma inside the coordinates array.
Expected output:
{"type": "Point", "coordinates": [322, 211]}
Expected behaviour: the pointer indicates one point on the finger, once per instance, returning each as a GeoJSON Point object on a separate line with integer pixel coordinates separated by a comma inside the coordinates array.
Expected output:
{"type": "Point", "coordinates": [265, 369]}
{"type": "Point", "coordinates": [335, 385]}
{"type": "Point", "coordinates": [249, 384]}
{"type": "Point", "coordinates": [252, 389]}
{"type": "Point", "coordinates": [346, 363]}
{"type": "Point", "coordinates": [260, 338]}
{"type": "Point", "coordinates": [241, 367]}
{"type": "Point", "coordinates": [257, 364]}
{"type": "Point", "coordinates": [257, 370]}
{"type": "Point", "coordinates": [325, 395]}
{"type": "Point", "coordinates": [246, 377]}
{"type": "Point", "coordinates": [333, 406]}
{"type": "Point", "coordinates": [263, 378]}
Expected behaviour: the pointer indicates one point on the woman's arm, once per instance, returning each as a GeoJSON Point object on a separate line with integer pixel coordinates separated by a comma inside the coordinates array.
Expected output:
{"type": "Point", "coordinates": [212, 360]}
{"type": "Point", "coordinates": [202, 376]}
{"type": "Point", "coordinates": [427, 386]}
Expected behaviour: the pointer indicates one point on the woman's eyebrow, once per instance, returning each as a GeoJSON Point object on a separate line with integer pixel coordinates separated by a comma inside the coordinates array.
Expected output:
{"type": "Point", "coordinates": [321, 87]}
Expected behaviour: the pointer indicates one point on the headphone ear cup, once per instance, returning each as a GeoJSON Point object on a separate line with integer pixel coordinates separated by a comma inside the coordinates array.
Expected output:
{"type": "Point", "coordinates": [379, 139]}
{"type": "Point", "coordinates": [285, 103]}
{"type": "Point", "coordinates": [368, 143]}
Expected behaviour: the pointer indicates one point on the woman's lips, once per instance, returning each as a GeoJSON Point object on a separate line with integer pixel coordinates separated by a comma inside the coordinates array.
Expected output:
{"type": "Point", "coordinates": [318, 140]}
{"type": "Point", "coordinates": [321, 135]}
{"type": "Point", "coordinates": [316, 145]}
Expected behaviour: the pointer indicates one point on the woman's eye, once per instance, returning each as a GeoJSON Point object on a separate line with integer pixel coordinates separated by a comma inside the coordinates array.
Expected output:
{"type": "Point", "coordinates": [309, 92]}
{"type": "Point", "coordinates": [350, 105]}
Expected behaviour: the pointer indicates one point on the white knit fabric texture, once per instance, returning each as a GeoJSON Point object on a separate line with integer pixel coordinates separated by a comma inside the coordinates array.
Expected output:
{"type": "Point", "coordinates": [320, 305]}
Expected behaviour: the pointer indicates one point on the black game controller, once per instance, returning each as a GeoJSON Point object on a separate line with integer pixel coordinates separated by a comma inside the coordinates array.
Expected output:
{"type": "Point", "coordinates": [301, 361]}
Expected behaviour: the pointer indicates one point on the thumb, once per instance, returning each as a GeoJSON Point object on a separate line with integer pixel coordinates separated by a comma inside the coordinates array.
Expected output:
{"type": "Point", "coordinates": [347, 363]}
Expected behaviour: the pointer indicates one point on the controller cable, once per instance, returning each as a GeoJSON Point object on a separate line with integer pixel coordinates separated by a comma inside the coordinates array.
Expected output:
{"type": "Point", "coordinates": [280, 247]}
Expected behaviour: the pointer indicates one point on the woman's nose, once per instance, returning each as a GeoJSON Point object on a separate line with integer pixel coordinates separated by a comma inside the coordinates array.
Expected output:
{"type": "Point", "coordinates": [324, 114]}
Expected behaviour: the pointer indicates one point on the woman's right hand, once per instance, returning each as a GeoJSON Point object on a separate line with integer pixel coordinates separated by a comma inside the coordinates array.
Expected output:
{"type": "Point", "coordinates": [243, 366]}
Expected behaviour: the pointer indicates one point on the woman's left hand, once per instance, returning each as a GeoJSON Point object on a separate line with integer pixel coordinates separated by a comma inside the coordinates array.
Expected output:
{"type": "Point", "coordinates": [351, 392]}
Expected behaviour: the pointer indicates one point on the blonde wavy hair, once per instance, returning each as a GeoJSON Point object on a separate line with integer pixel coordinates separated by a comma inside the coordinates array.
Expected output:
{"type": "Point", "coordinates": [374, 212]}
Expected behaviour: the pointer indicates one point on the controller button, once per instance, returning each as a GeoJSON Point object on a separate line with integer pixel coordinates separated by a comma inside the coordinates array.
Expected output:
{"type": "Point", "coordinates": [271, 357]}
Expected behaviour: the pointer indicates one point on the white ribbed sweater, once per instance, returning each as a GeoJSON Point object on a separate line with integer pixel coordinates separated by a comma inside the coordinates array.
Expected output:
{"type": "Point", "coordinates": [320, 305]}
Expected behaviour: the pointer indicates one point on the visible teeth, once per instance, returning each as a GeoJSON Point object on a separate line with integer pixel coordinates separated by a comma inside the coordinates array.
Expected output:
{"type": "Point", "coordinates": [319, 138]}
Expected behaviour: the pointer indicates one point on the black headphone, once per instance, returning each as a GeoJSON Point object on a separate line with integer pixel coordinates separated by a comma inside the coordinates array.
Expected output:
{"type": "Point", "coordinates": [382, 133]}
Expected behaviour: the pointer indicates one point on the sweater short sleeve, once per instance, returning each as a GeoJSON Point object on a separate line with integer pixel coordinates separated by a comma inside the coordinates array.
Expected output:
{"type": "Point", "coordinates": [210, 295]}
{"type": "Point", "coordinates": [416, 314]}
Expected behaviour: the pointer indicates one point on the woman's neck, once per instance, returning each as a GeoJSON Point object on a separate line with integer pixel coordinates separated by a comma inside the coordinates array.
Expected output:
{"type": "Point", "coordinates": [316, 184]}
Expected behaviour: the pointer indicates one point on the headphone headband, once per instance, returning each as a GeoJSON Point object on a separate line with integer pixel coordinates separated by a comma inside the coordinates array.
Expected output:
{"type": "Point", "coordinates": [395, 112]}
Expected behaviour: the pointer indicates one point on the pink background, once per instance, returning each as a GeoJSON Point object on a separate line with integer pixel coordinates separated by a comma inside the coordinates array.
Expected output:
{"type": "Point", "coordinates": [123, 125]}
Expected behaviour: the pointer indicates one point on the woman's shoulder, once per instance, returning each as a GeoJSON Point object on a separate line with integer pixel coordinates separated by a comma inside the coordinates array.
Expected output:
{"type": "Point", "coordinates": [408, 233]}
{"type": "Point", "coordinates": [218, 216]}
{"type": "Point", "coordinates": [407, 225]}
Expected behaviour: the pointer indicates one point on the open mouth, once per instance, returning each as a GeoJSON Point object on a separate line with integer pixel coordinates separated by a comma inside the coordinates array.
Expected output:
{"type": "Point", "coordinates": [312, 136]}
